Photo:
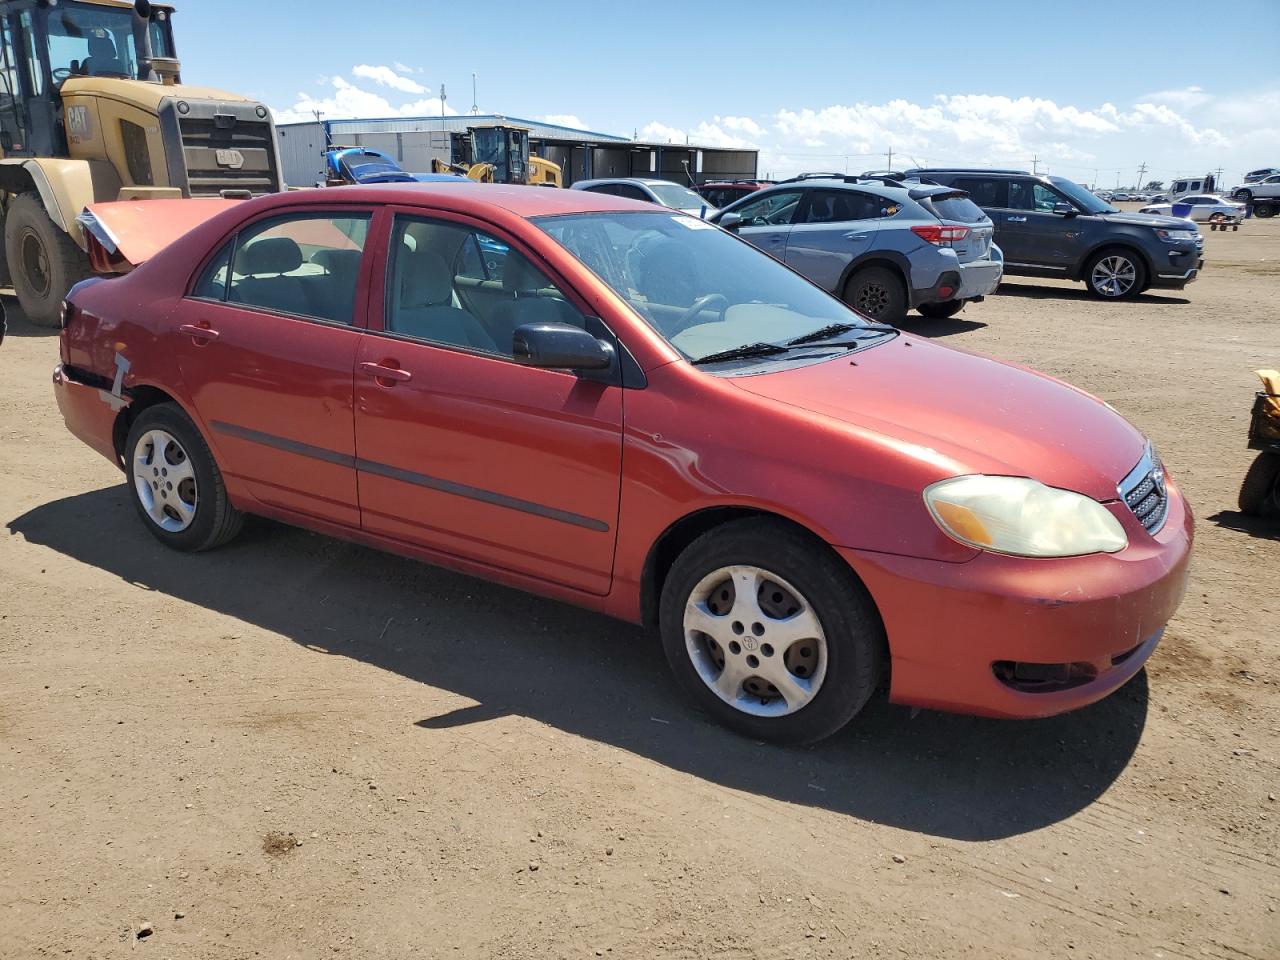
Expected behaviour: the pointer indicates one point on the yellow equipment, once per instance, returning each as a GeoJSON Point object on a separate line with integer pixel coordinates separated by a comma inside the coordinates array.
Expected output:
{"type": "Point", "coordinates": [92, 108]}
{"type": "Point", "coordinates": [499, 153]}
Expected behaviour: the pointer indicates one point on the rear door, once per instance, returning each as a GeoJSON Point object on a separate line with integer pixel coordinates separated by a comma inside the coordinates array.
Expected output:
{"type": "Point", "coordinates": [991, 194]}
{"type": "Point", "coordinates": [266, 341]}
{"type": "Point", "coordinates": [832, 229]}
{"type": "Point", "coordinates": [767, 219]}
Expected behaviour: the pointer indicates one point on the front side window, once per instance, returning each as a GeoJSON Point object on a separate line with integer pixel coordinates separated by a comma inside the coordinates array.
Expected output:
{"type": "Point", "coordinates": [454, 285]}
{"type": "Point", "coordinates": [1044, 198]}
{"type": "Point", "coordinates": [704, 290]}
{"type": "Point", "coordinates": [772, 209]}
{"type": "Point", "coordinates": [302, 264]}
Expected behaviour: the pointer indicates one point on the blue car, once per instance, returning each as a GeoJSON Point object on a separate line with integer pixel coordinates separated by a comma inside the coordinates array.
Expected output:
{"type": "Point", "coordinates": [362, 165]}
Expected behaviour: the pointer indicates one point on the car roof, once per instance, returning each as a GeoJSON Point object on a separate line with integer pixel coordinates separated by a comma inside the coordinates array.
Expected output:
{"type": "Point", "coordinates": [520, 200]}
{"type": "Point", "coordinates": [646, 181]}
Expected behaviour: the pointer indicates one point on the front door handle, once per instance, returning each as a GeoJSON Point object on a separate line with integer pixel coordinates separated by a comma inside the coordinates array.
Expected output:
{"type": "Point", "coordinates": [199, 331]}
{"type": "Point", "coordinates": [1016, 219]}
{"type": "Point", "coordinates": [385, 375]}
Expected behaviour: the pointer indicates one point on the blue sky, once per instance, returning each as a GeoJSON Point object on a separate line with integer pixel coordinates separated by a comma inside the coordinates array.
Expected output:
{"type": "Point", "coordinates": [1082, 85]}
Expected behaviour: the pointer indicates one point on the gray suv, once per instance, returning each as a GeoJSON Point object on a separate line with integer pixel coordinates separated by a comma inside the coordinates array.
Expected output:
{"type": "Point", "coordinates": [1053, 227]}
{"type": "Point", "coordinates": [881, 245]}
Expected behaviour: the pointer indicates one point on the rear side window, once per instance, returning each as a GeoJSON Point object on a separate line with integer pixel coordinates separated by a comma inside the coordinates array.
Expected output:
{"type": "Point", "coordinates": [306, 265]}
{"type": "Point", "coordinates": [957, 208]}
{"type": "Point", "coordinates": [840, 206]}
{"type": "Point", "coordinates": [212, 284]}
{"type": "Point", "coordinates": [983, 191]}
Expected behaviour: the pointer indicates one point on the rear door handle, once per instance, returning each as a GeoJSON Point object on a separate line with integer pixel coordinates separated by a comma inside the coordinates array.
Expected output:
{"type": "Point", "coordinates": [1016, 219]}
{"type": "Point", "coordinates": [856, 236]}
{"type": "Point", "coordinates": [383, 373]}
{"type": "Point", "coordinates": [198, 331]}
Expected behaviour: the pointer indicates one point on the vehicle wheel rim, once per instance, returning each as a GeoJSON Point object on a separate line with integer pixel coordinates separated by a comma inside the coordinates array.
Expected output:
{"type": "Point", "coordinates": [1114, 276]}
{"type": "Point", "coordinates": [35, 263]}
{"type": "Point", "coordinates": [872, 299]}
{"type": "Point", "coordinates": [755, 641]}
{"type": "Point", "coordinates": [165, 481]}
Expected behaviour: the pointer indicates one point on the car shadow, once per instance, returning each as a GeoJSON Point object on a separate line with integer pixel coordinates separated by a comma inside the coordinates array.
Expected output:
{"type": "Point", "coordinates": [925, 327]}
{"type": "Point", "coordinates": [1263, 528]}
{"type": "Point", "coordinates": [16, 322]}
{"type": "Point", "coordinates": [944, 775]}
{"type": "Point", "coordinates": [1035, 291]}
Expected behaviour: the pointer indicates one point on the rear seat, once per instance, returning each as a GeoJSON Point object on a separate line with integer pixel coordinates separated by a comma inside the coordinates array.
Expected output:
{"type": "Point", "coordinates": [265, 278]}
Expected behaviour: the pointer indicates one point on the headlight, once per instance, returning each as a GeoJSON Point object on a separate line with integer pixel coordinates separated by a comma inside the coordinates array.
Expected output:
{"type": "Point", "coordinates": [1023, 517]}
{"type": "Point", "coordinates": [1177, 236]}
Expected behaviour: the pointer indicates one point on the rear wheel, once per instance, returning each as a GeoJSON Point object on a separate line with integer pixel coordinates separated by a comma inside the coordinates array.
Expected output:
{"type": "Point", "coordinates": [941, 311]}
{"type": "Point", "coordinates": [1115, 275]}
{"type": "Point", "coordinates": [174, 482]}
{"type": "Point", "coordinates": [769, 632]}
{"type": "Point", "coordinates": [1260, 492]}
{"type": "Point", "coordinates": [1264, 210]}
{"type": "Point", "coordinates": [44, 262]}
{"type": "Point", "coordinates": [878, 293]}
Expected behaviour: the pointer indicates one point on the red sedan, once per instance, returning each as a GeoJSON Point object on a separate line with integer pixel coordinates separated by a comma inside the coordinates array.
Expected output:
{"type": "Point", "coordinates": [629, 409]}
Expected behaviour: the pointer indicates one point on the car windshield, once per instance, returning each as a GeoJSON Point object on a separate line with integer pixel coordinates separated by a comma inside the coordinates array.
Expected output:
{"type": "Point", "coordinates": [674, 195]}
{"type": "Point", "coordinates": [1081, 197]}
{"type": "Point", "coordinates": [96, 40]}
{"type": "Point", "coordinates": [701, 288]}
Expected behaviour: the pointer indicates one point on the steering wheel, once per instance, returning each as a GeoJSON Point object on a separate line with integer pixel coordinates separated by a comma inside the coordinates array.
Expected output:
{"type": "Point", "coordinates": [685, 320]}
{"type": "Point", "coordinates": [61, 73]}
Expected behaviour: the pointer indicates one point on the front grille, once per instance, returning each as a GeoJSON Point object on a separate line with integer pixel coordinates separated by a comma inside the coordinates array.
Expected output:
{"type": "Point", "coordinates": [1144, 492]}
{"type": "Point", "coordinates": [224, 152]}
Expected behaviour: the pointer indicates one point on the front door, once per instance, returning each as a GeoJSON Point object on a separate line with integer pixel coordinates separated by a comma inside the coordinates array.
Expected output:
{"type": "Point", "coordinates": [1051, 241]}
{"type": "Point", "coordinates": [267, 346]}
{"type": "Point", "coordinates": [459, 448]}
{"type": "Point", "coordinates": [766, 220]}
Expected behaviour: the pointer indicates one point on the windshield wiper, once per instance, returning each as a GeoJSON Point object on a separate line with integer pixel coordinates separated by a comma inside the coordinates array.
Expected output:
{"type": "Point", "coordinates": [835, 329]}
{"type": "Point", "coordinates": [744, 352]}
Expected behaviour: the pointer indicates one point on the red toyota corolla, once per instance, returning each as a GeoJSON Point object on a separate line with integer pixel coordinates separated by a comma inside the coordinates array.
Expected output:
{"type": "Point", "coordinates": [632, 410]}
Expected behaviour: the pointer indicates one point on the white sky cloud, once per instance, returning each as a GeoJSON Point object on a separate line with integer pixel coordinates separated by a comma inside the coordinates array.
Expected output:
{"type": "Point", "coordinates": [346, 101]}
{"type": "Point", "coordinates": [565, 120]}
{"type": "Point", "coordinates": [387, 77]}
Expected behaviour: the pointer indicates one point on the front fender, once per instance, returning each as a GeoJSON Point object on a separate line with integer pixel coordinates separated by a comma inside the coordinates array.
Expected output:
{"type": "Point", "coordinates": [65, 186]}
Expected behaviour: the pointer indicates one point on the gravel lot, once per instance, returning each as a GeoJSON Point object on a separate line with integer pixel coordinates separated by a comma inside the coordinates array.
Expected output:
{"type": "Point", "coordinates": [294, 747]}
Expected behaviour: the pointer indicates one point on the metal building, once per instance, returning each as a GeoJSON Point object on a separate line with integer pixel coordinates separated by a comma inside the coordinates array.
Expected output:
{"type": "Point", "coordinates": [582, 154]}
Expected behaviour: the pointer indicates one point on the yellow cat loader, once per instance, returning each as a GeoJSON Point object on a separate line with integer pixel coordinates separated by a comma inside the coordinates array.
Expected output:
{"type": "Point", "coordinates": [499, 153]}
{"type": "Point", "coordinates": [92, 108]}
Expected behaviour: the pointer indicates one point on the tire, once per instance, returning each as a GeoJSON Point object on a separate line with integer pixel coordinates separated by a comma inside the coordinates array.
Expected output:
{"type": "Point", "coordinates": [1115, 274]}
{"type": "Point", "coordinates": [1260, 491]}
{"type": "Point", "coordinates": [830, 673]}
{"type": "Point", "coordinates": [44, 263]}
{"type": "Point", "coordinates": [193, 514]}
{"type": "Point", "coordinates": [1245, 195]}
{"type": "Point", "coordinates": [941, 311]}
{"type": "Point", "coordinates": [1264, 210]}
{"type": "Point", "coordinates": [877, 293]}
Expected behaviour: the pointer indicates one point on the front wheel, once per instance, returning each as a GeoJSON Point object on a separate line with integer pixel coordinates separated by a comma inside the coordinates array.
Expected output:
{"type": "Point", "coordinates": [770, 632]}
{"type": "Point", "coordinates": [1115, 275]}
{"type": "Point", "coordinates": [941, 311]}
{"type": "Point", "coordinates": [877, 293]}
{"type": "Point", "coordinates": [44, 263]}
{"type": "Point", "coordinates": [174, 483]}
{"type": "Point", "coordinates": [1260, 492]}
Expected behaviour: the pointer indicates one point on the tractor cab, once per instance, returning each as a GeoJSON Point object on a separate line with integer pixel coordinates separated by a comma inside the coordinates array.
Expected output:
{"type": "Point", "coordinates": [504, 148]}
{"type": "Point", "coordinates": [42, 45]}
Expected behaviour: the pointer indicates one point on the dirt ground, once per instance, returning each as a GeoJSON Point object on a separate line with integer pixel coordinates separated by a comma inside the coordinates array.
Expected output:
{"type": "Point", "coordinates": [296, 748]}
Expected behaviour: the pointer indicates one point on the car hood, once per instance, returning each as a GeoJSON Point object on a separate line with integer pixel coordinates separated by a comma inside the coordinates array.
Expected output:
{"type": "Point", "coordinates": [967, 413]}
{"type": "Point", "coordinates": [1146, 220]}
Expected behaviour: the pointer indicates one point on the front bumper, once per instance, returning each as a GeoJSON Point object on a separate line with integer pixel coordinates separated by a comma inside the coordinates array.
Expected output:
{"type": "Point", "coordinates": [952, 625]}
{"type": "Point", "coordinates": [1178, 265]}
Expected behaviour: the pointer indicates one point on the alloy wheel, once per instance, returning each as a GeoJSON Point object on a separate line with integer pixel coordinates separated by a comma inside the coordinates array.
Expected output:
{"type": "Point", "coordinates": [1114, 276]}
{"type": "Point", "coordinates": [755, 641]}
{"type": "Point", "coordinates": [165, 481]}
{"type": "Point", "coordinates": [872, 300]}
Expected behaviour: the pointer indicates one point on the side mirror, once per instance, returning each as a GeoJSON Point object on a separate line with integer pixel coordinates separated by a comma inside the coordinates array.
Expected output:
{"type": "Point", "coordinates": [559, 346]}
{"type": "Point", "coordinates": [731, 221]}
{"type": "Point", "coordinates": [1064, 210]}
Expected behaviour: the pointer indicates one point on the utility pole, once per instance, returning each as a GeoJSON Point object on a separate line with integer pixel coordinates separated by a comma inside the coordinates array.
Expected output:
{"type": "Point", "coordinates": [1142, 172]}
{"type": "Point", "coordinates": [475, 107]}
{"type": "Point", "coordinates": [1035, 162]}
{"type": "Point", "coordinates": [890, 155]}
{"type": "Point", "coordinates": [442, 99]}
